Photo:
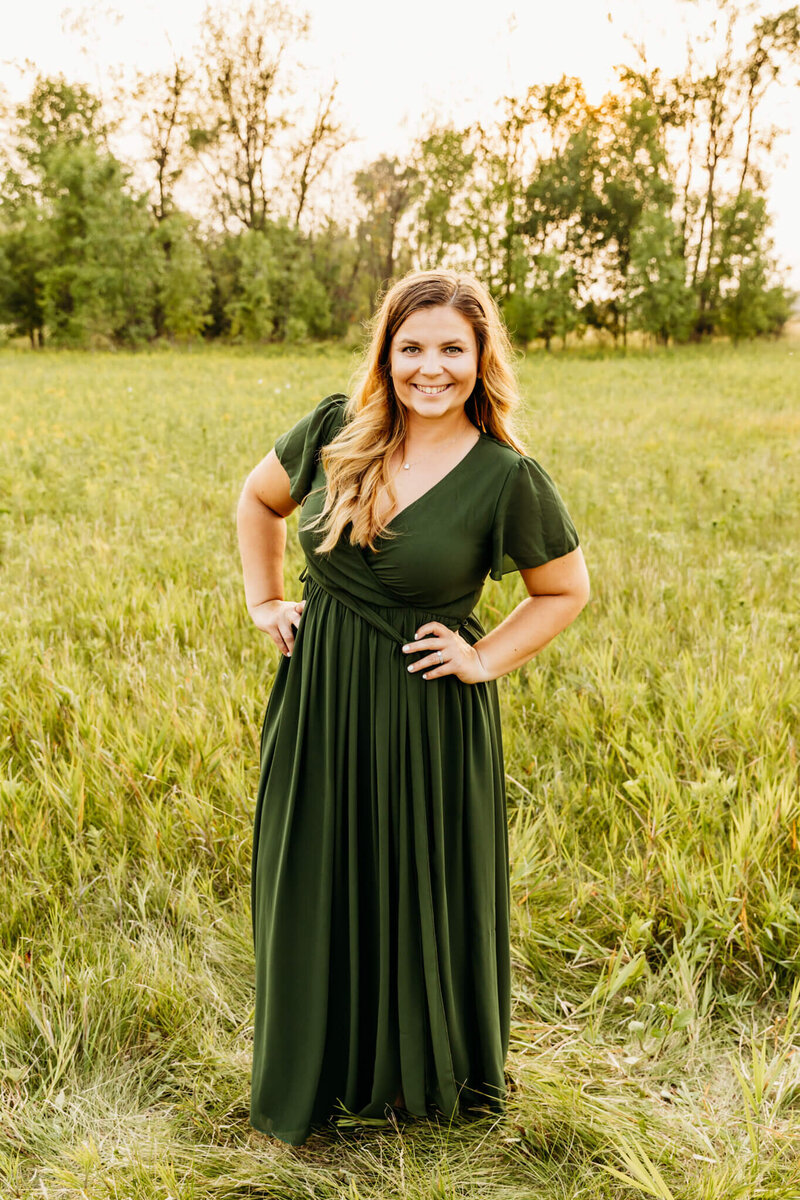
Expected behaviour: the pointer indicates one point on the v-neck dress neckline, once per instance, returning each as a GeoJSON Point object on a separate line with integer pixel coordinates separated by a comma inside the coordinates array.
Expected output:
{"type": "Point", "coordinates": [438, 483]}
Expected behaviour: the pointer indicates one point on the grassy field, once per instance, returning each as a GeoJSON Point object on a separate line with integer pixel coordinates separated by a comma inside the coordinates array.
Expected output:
{"type": "Point", "coordinates": [651, 754]}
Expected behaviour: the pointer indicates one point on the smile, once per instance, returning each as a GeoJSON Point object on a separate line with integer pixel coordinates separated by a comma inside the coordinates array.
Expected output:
{"type": "Point", "coordinates": [431, 391]}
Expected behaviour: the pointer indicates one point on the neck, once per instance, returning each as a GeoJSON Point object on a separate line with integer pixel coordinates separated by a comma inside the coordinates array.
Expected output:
{"type": "Point", "coordinates": [426, 434]}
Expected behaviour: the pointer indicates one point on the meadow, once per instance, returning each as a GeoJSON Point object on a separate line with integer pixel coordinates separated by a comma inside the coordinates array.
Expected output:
{"type": "Point", "coordinates": [651, 759]}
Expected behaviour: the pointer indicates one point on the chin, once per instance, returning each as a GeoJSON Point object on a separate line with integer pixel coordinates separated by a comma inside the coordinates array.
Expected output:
{"type": "Point", "coordinates": [443, 403]}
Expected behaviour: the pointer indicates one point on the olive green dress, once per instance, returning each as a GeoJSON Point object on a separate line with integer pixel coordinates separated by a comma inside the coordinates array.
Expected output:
{"type": "Point", "coordinates": [380, 882]}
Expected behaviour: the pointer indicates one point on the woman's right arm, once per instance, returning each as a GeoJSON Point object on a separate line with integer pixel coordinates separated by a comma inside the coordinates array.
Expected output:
{"type": "Point", "coordinates": [261, 514]}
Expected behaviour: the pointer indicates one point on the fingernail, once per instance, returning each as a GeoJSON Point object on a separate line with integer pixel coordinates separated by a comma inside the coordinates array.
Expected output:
{"type": "Point", "coordinates": [411, 668]}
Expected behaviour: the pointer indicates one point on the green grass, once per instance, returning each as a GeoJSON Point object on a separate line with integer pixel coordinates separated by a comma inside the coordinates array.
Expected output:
{"type": "Point", "coordinates": [651, 755]}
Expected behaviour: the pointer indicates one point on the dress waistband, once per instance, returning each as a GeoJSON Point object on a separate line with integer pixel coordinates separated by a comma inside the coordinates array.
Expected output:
{"type": "Point", "coordinates": [372, 613]}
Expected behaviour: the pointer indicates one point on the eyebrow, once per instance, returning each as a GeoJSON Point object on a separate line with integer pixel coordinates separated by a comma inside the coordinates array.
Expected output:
{"type": "Point", "coordinates": [456, 341]}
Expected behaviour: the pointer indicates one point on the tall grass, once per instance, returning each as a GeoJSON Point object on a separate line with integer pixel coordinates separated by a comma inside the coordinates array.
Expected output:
{"type": "Point", "coordinates": [651, 758]}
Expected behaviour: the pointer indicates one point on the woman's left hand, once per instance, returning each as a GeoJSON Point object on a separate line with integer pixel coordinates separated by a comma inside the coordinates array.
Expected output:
{"type": "Point", "coordinates": [459, 657]}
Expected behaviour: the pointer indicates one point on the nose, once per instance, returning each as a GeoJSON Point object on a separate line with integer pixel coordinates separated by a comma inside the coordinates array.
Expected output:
{"type": "Point", "coordinates": [430, 364]}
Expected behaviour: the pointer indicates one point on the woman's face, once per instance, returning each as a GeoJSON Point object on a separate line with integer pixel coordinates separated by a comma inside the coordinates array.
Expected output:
{"type": "Point", "coordinates": [434, 361]}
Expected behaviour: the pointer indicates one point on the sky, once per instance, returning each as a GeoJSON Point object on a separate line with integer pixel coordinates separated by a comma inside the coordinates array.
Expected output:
{"type": "Point", "coordinates": [399, 64]}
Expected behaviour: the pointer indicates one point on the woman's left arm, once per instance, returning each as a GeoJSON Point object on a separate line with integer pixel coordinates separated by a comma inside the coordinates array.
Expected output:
{"type": "Point", "coordinates": [557, 591]}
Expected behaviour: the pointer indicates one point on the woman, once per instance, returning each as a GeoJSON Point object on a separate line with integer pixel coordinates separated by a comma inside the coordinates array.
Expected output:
{"type": "Point", "coordinates": [380, 892]}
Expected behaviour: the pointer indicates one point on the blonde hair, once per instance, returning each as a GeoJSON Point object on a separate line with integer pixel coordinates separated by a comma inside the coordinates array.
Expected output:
{"type": "Point", "coordinates": [356, 461]}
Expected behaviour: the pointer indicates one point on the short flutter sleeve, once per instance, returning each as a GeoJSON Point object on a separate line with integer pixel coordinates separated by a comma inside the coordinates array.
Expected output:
{"type": "Point", "coordinates": [298, 449]}
{"type": "Point", "coordinates": [531, 522]}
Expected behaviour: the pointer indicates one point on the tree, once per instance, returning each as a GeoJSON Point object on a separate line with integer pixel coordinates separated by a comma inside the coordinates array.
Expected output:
{"type": "Point", "coordinates": [24, 253]}
{"type": "Point", "coordinates": [747, 304]}
{"type": "Point", "coordinates": [57, 114]}
{"type": "Point", "coordinates": [335, 258]}
{"type": "Point", "coordinates": [163, 102]}
{"type": "Point", "coordinates": [386, 189]}
{"type": "Point", "coordinates": [711, 117]}
{"type": "Point", "coordinates": [241, 113]}
{"type": "Point", "coordinates": [587, 197]}
{"type": "Point", "coordinates": [547, 309]}
{"type": "Point", "coordinates": [657, 297]}
{"type": "Point", "coordinates": [183, 295]}
{"type": "Point", "coordinates": [77, 240]}
{"type": "Point", "coordinates": [312, 154]}
{"type": "Point", "coordinates": [100, 282]}
{"type": "Point", "coordinates": [512, 158]}
{"type": "Point", "coordinates": [443, 162]}
{"type": "Point", "coordinates": [250, 308]}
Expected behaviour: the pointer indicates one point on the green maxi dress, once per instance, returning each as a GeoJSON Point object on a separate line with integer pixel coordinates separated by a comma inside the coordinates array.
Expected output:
{"type": "Point", "coordinates": [380, 881]}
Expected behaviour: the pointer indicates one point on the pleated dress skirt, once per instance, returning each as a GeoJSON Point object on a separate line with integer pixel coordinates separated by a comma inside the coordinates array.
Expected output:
{"type": "Point", "coordinates": [380, 886]}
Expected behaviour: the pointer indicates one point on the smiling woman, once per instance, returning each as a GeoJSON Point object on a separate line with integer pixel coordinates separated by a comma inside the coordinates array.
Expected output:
{"type": "Point", "coordinates": [380, 889]}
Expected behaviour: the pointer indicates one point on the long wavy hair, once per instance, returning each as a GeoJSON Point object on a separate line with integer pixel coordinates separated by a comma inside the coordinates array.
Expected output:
{"type": "Point", "coordinates": [356, 461]}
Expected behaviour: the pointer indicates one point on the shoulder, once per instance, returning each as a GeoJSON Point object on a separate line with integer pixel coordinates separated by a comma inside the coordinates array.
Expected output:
{"type": "Point", "coordinates": [333, 414]}
{"type": "Point", "coordinates": [316, 426]}
{"type": "Point", "coordinates": [502, 451]}
{"type": "Point", "coordinates": [332, 406]}
{"type": "Point", "coordinates": [335, 401]}
{"type": "Point", "coordinates": [519, 475]}
{"type": "Point", "coordinates": [508, 461]}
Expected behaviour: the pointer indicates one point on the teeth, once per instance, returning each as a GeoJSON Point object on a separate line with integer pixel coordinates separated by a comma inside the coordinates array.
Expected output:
{"type": "Point", "coordinates": [431, 391]}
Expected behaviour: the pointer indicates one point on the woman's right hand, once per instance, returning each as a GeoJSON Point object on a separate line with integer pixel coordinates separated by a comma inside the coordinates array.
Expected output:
{"type": "Point", "coordinates": [279, 618]}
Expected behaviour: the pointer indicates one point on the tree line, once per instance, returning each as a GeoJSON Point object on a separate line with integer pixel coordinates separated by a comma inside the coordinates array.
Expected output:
{"type": "Point", "coordinates": [644, 212]}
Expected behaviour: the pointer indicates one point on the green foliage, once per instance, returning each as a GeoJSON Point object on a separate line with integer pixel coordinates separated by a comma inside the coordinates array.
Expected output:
{"type": "Point", "coordinates": [386, 189]}
{"type": "Point", "coordinates": [57, 114]}
{"type": "Point", "coordinates": [24, 253]}
{"type": "Point", "coordinates": [657, 296]}
{"type": "Point", "coordinates": [443, 162]}
{"type": "Point", "coordinates": [548, 309]}
{"type": "Point", "coordinates": [310, 305]}
{"type": "Point", "coordinates": [184, 283]}
{"type": "Point", "coordinates": [296, 331]}
{"type": "Point", "coordinates": [605, 195]}
{"type": "Point", "coordinates": [77, 242]}
{"type": "Point", "coordinates": [746, 304]}
{"type": "Point", "coordinates": [274, 290]}
{"type": "Point", "coordinates": [99, 281]}
{"type": "Point", "coordinates": [297, 294]}
{"type": "Point", "coordinates": [753, 308]}
{"type": "Point", "coordinates": [250, 309]}
{"type": "Point", "coordinates": [334, 259]}
{"type": "Point", "coordinates": [644, 212]}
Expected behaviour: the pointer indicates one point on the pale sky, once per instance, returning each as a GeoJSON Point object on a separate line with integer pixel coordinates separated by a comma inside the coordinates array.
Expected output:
{"type": "Point", "coordinates": [400, 64]}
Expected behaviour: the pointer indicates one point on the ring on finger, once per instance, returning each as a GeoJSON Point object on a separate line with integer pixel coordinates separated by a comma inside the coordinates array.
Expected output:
{"type": "Point", "coordinates": [441, 657]}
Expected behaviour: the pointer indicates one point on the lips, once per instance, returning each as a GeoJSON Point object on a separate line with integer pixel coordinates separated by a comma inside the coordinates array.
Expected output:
{"type": "Point", "coordinates": [431, 391]}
